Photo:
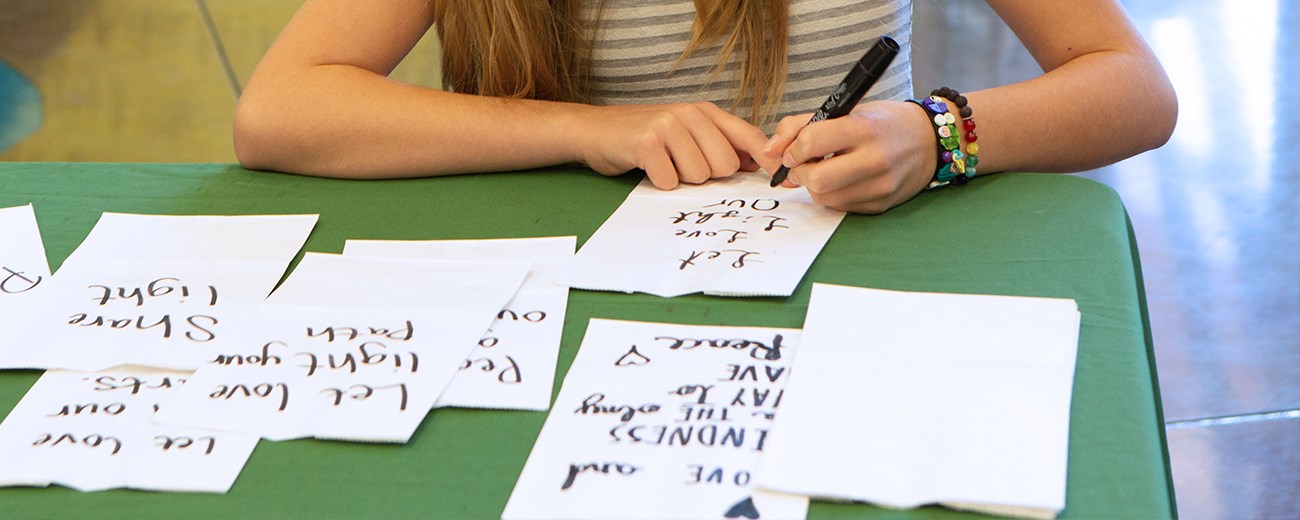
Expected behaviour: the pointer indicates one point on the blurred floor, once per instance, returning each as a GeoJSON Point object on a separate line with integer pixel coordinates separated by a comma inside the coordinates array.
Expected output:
{"type": "Point", "coordinates": [1217, 226]}
{"type": "Point", "coordinates": [156, 81]}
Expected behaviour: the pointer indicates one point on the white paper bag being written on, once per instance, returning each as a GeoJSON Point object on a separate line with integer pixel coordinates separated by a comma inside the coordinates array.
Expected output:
{"type": "Point", "coordinates": [731, 237]}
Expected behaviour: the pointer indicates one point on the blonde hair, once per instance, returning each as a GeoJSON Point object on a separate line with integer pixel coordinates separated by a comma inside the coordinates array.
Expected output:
{"type": "Point", "coordinates": [539, 49]}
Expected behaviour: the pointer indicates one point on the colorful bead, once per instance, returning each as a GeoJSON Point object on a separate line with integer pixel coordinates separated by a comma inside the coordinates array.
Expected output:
{"type": "Point", "coordinates": [945, 174]}
{"type": "Point", "coordinates": [934, 105]}
{"type": "Point", "coordinates": [944, 107]}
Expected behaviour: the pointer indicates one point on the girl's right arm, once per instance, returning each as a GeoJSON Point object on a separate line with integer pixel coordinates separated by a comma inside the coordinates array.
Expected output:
{"type": "Point", "coordinates": [320, 103]}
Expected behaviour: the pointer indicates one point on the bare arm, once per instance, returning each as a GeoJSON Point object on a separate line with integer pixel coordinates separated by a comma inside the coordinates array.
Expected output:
{"type": "Point", "coordinates": [320, 103]}
{"type": "Point", "coordinates": [1103, 97]}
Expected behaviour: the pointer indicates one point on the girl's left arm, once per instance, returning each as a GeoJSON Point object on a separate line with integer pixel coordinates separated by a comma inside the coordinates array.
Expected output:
{"type": "Point", "coordinates": [1103, 97]}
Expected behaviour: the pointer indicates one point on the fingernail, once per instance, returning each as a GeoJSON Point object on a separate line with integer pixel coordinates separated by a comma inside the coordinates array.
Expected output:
{"type": "Point", "coordinates": [771, 142]}
{"type": "Point", "coordinates": [788, 161]}
{"type": "Point", "coordinates": [792, 180]}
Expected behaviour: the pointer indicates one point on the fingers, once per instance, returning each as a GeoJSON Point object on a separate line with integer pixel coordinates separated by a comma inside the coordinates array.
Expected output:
{"type": "Point", "coordinates": [743, 139]}
{"type": "Point", "coordinates": [690, 157]}
{"type": "Point", "coordinates": [835, 138]}
{"type": "Point", "coordinates": [786, 132]}
{"type": "Point", "coordinates": [699, 141]}
{"type": "Point", "coordinates": [709, 126]}
{"type": "Point", "coordinates": [859, 198]}
{"type": "Point", "coordinates": [681, 143]}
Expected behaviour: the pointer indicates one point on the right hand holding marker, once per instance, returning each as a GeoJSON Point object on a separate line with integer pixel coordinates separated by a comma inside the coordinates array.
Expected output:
{"type": "Point", "coordinates": [685, 142]}
{"type": "Point", "coordinates": [883, 154]}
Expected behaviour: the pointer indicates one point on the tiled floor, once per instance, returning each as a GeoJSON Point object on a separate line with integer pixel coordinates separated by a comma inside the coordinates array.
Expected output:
{"type": "Point", "coordinates": [156, 81]}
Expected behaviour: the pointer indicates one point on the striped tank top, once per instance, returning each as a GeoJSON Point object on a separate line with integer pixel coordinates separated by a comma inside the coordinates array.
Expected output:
{"type": "Point", "coordinates": [638, 43]}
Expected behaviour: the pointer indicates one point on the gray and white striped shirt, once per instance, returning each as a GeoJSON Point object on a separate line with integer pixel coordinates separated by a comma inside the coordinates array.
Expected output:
{"type": "Point", "coordinates": [639, 41]}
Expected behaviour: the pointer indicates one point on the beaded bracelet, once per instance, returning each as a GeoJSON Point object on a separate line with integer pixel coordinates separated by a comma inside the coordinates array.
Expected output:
{"type": "Point", "coordinates": [955, 166]}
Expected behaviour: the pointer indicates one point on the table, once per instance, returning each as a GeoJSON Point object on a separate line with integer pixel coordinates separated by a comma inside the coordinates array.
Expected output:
{"type": "Point", "coordinates": [1015, 234]}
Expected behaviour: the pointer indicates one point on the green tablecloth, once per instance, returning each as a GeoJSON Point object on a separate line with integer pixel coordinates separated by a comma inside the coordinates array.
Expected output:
{"type": "Point", "coordinates": [1032, 235]}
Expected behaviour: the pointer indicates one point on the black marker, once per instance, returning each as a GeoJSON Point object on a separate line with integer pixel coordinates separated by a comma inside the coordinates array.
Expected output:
{"type": "Point", "coordinates": [846, 96]}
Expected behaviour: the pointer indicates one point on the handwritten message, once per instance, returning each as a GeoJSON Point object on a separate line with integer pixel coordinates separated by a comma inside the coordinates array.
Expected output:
{"type": "Point", "coordinates": [166, 314]}
{"type": "Point", "coordinates": [156, 291]}
{"type": "Point", "coordinates": [661, 421]}
{"type": "Point", "coordinates": [344, 374]}
{"type": "Point", "coordinates": [732, 237]}
{"type": "Point", "coordinates": [365, 361]}
{"type": "Point", "coordinates": [92, 431]}
{"type": "Point", "coordinates": [24, 271]}
{"type": "Point", "coordinates": [513, 365]}
{"type": "Point", "coordinates": [22, 255]}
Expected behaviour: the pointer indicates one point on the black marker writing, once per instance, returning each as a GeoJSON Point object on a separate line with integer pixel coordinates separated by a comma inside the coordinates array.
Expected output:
{"type": "Point", "coordinates": [200, 326]}
{"type": "Point", "coordinates": [695, 474]}
{"type": "Point", "coordinates": [350, 333]}
{"type": "Point", "coordinates": [706, 436]}
{"type": "Point", "coordinates": [731, 235]}
{"type": "Point", "coordinates": [509, 373]}
{"type": "Point", "coordinates": [264, 359]}
{"type": "Point", "coordinates": [16, 282]}
{"type": "Point", "coordinates": [773, 221]}
{"type": "Point", "coordinates": [757, 349]}
{"type": "Point", "coordinates": [133, 384]}
{"type": "Point", "coordinates": [686, 390]}
{"type": "Point", "coordinates": [618, 468]}
{"type": "Point", "coordinates": [756, 204]}
{"type": "Point", "coordinates": [758, 397]}
{"type": "Point", "coordinates": [69, 410]}
{"type": "Point", "coordinates": [632, 358]}
{"type": "Point", "coordinates": [700, 217]}
{"type": "Point", "coordinates": [751, 373]}
{"type": "Point", "coordinates": [257, 391]}
{"type": "Point", "coordinates": [740, 257]}
{"type": "Point", "coordinates": [370, 354]}
{"type": "Point", "coordinates": [704, 413]}
{"type": "Point", "coordinates": [93, 440]}
{"type": "Point", "coordinates": [181, 443]}
{"type": "Point", "coordinates": [530, 316]}
{"type": "Point", "coordinates": [156, 289]}
{"type": "Point", "coordinates": [365, 392]}
{"type": "Point", "coordinates": [592, 405]}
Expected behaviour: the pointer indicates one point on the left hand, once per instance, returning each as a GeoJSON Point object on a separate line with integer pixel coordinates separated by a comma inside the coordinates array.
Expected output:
{"type": "Point", "coordinates": [884, 154]}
